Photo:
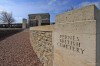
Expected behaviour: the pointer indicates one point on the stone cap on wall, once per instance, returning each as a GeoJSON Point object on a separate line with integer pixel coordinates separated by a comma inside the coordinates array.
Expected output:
{"type": "Point", "coordinates": [43, 28]}
{"type": "Point", "coordinates": [85, 13]}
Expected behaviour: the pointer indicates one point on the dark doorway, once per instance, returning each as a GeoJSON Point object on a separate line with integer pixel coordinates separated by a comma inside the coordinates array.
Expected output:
{"type": "Point", "coordinates": [37, 22]}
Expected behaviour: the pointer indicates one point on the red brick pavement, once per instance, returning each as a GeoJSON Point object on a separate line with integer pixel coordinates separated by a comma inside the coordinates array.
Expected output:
{"type": "Point", "coordinates": [16, 50]}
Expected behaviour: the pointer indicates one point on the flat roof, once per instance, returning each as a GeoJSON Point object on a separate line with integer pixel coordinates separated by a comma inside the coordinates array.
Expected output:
{"type": "Point", "coordinates": [40, 14]}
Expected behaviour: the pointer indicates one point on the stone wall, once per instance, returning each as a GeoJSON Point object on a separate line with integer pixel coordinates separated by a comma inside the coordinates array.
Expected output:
{"type": "Point", "coordinates": [16, 25]}
{"type": "Point", "coordinates": [41, 40]}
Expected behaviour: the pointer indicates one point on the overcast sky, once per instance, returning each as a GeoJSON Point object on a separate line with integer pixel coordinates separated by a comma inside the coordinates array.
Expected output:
{"type": "Point", "coordinates": [21, 8]}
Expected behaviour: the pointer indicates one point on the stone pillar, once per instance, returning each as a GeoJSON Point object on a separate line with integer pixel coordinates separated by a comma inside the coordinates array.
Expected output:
{"type": "Point", "coordinates": [76, 38]}
{"type": "Point", "coordinates": [24, 24]}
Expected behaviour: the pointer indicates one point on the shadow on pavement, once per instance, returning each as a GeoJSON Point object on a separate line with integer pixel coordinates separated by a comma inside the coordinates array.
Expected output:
{"type": "Point", "coordinates": [6, 33]}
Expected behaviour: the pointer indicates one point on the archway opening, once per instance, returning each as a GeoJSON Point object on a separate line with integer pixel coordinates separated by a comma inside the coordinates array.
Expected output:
{"type": "Point", "coordinates": [37, 22]}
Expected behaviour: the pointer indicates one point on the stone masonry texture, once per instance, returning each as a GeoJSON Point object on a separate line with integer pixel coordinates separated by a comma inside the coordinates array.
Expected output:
{"type": "Point", "coordinates": [42, 45]}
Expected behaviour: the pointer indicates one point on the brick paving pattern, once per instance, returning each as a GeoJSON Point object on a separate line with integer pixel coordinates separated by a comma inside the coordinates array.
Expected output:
{"type": "Point", "coordinates": [16, 50]}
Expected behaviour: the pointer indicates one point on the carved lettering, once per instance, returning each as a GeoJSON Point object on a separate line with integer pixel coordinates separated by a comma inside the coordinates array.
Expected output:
{"type": "Point", "coordinates": [71, 43]}
{"type": "Point", "coordinates": [82, 51]}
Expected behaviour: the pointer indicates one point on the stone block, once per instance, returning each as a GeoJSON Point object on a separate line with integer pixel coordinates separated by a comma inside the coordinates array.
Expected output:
{"type": "Point", "coordinates": [76, 38]}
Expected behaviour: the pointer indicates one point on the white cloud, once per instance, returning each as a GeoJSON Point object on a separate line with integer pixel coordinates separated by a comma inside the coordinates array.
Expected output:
{"type": "Point", "coordinates": [1, 9]}
{"type": "Point", "coordinates": [22, 10]}
{"type": "Point", "coordinates": [18, 19]}
{"type": "Point", "coordinates": [51, 2]}
{"type": "Point", "coordinates": [57, 6]}
{"type": "Point", "coordinates": [58, 2]}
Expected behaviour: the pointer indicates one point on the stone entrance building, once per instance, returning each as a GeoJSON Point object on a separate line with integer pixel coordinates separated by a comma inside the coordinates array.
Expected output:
{"type": "Point", "coordinates": [39, 19]}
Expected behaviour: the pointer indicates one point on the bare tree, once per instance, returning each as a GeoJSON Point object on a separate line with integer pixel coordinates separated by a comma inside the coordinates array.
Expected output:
{"type": "Point", "coordinates": [6, 17]}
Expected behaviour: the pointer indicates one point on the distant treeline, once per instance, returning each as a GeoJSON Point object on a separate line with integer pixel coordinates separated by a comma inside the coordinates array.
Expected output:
{"type": "Point", "coordinates": [17, 25]}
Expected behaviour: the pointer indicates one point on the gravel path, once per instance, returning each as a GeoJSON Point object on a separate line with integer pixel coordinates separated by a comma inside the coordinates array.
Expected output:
{"type": "Point", "coordinates": [16, 50]}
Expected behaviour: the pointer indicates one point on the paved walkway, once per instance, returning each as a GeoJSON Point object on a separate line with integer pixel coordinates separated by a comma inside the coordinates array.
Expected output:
{"type": "Point", "coordinates": [16, 50]}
